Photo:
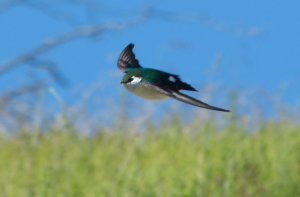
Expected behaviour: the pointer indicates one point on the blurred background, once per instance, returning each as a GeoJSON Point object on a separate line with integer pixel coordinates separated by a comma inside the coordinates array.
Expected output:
{"type": "Point", "coordinates": [58, 72]}
{"type": "Point", "coordinates": [65, 53]}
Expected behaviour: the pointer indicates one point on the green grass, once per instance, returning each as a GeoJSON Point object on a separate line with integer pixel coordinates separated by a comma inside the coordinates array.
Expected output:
{"type": "Point", "coordinates": [170, 161]}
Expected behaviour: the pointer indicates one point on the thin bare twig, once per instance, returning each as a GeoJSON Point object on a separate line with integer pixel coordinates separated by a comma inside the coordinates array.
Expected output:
{"type": "Point", "coordinates": [8, 4]}
{"type": "Point", "coordinates": [207, 21]}
{"type": "Point", "coordinates": [52, 11]}
{"type": "Point", "coordinates": [50, 68]}
{"type": "Point", "coordinates": [96, 30]}
{"type": "Point", "coordinates": [52, 43]}
{"type": "Point", "coordinates": [28, 89]}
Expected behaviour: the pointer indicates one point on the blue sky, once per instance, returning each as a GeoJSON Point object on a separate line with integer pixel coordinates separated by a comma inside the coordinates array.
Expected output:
{"type": "Point", "coordinates": [255, 43]}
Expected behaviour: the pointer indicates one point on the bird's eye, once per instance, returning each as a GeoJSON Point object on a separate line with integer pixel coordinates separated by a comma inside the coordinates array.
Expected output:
{"type": "Point", "coordinates": [130, 79]}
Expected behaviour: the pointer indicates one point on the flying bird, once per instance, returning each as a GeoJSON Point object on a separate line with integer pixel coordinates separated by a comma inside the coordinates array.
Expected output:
{"type": "Point", "coordinates": [155, 84]}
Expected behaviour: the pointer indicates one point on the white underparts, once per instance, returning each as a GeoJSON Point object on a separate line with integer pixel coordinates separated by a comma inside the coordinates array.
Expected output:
{"type": "Point", "coordinates": [172, 79]}
{"type": "Point", "coordinates": [135, 80]}
{"type": "Point", "coordinates": [145, 92]}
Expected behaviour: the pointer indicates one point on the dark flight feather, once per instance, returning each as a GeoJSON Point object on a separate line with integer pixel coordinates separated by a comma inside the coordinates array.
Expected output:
{"type": "Point", "coordinates": [180, 85]}
{"type": "Point", "coordinates": [192, 101]}
{"type": "Point", "coordinates": [186, 99]}
{"type": "Point", "coordinates": [127, 59]}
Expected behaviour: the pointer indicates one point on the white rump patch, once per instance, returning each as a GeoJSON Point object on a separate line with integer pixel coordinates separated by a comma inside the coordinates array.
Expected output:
{"type": "Point", "coordinates": [172, 79]}
{"type": "Point", "coordinates": [135, 80]}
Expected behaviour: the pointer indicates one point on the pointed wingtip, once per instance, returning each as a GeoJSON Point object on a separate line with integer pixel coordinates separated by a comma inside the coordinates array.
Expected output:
{"type": "Point", "coordinates": [192, 101]}
{"type": "Point", "coordinates": [218, 109]}
{"type": "Point", "coordinates": [127, 58]}
{"type": "Point", "coordinates": [130, 45]}
{"type": "Point", "coordinates": [225, 110]}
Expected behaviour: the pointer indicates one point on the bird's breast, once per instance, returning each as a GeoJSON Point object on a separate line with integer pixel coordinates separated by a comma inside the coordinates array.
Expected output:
{"type": "Point", "coordinates": [145, 92]}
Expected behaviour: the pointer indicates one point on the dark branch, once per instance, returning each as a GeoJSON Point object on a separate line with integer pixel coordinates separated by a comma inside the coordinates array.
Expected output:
{"type": "Point", "coordinates": [52, 11]}
{"type": "Point", "coordinates": [52, 43]}
{"type": "Point", "coordinates": [51, 68]}
{"type": "Point", "coordinates": [207, 21]}
{"type": "Point", "coordinates": [8, 4]}
{"type": "Point", "coordinates": [28, 89]}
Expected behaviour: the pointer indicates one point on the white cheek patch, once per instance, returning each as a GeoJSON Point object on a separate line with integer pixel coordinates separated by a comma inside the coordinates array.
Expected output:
{"type": "Point", "coordinates": [172, 79]}
{"type": "Point", "coordinates": [135, 80]}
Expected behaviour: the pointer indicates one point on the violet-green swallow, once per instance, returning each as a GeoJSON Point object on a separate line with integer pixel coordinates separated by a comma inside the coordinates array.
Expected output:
{"type": "Point", "coordinates": [155, 84]}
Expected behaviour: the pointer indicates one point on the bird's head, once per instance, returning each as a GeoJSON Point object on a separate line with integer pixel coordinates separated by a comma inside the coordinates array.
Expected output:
{"type": "Point", "coordinates": [131, 77]}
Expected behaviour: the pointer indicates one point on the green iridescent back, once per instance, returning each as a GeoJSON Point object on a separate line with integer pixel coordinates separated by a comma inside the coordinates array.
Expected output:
{"type": "Point", "coordinates": [157, 77]}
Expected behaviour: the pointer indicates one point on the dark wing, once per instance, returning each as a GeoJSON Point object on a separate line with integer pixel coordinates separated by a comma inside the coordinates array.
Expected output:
{"type": "Point", "coordinates": [180, 85]}
{"type": "Point", "coordinates": [158, 89]}
{"type": "Point", "coordinates": [127, 59]}
{"type": "Point", "coordinates": [186, 99]}
{"type": "Point", "coordinates": [190, 100]}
